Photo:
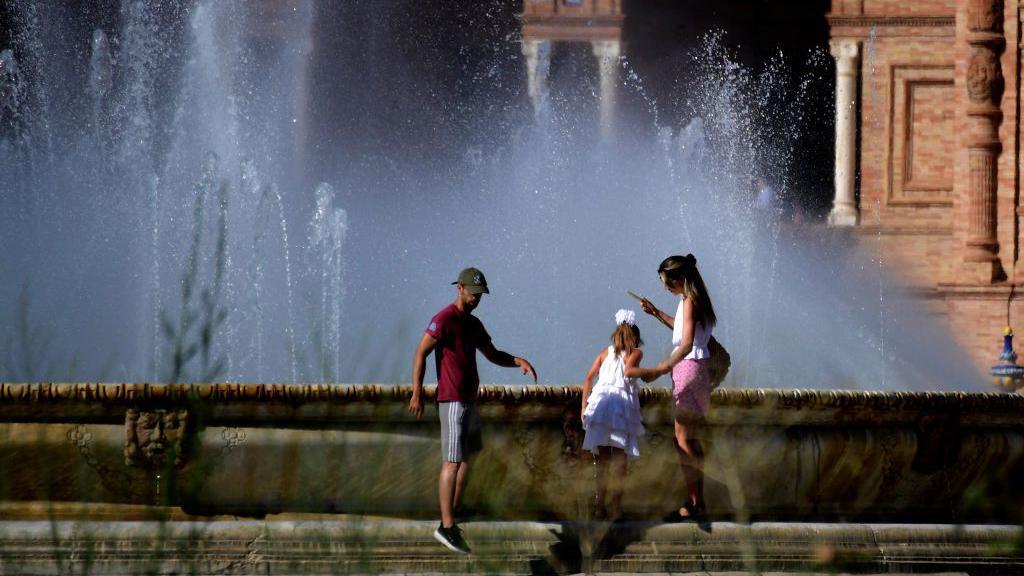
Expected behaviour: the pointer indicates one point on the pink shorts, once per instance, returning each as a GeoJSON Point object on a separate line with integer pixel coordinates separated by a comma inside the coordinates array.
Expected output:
{"type": "Point", "coordinates": [691, 386]}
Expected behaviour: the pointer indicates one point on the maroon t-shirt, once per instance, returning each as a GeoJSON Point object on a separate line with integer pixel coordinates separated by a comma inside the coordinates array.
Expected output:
{"type": "Point", "coordinates": [458, 335]}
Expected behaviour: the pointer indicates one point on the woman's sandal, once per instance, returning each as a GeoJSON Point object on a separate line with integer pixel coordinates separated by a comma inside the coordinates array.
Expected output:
{"type": "Point", "coordinates": [692, 511]}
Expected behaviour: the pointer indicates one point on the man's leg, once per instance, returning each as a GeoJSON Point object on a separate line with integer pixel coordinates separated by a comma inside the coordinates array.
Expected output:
{"type": "Point", "coordinates": [452, 455]}
{"type": "Point", "coordinates": [460, 481]}
{"type": "Point", "coordinates": [472, 444]}
{"type": "Point", "coordinates": [448, 491]}
{"type": "Point", "coordinates": [451, 414]}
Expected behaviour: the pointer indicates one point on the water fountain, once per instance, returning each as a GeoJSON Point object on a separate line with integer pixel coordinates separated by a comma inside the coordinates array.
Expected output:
{"type": "Point", "coordinates": [112, 171]}
{"type": "Point", "coordinates": [157, 219]}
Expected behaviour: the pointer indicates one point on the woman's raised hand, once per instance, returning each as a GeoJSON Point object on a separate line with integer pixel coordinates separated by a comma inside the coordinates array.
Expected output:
{"type": "Point", "coordinates": [650, 308]}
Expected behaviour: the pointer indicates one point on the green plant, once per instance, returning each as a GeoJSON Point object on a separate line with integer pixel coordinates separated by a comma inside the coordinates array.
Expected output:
{"type": "Point", "coordinates": [191, 336]}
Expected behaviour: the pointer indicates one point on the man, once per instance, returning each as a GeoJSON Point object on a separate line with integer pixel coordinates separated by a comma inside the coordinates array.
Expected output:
{"type": "Point", "coordinates": [454, 335]}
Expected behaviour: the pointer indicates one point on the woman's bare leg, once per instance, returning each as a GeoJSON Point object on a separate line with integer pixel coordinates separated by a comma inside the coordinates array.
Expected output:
{"type": "Point", "coordinates": [691, 462]}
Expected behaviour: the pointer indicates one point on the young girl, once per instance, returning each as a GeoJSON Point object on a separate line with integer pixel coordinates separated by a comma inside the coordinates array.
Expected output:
{"type": "Point", "coordinates": [691, 383]}
{"type": "Point", "coordinates": [611, 410]}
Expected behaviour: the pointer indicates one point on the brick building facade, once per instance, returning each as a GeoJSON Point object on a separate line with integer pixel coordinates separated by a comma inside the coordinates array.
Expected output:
{"type": "Point", "coordinates": [932, 127]}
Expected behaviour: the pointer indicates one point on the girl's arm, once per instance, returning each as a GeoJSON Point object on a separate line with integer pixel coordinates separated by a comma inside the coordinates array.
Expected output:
{"type": "Point", "coordinates": [686, 345]}
{"type": "Point", "coordinates": [634, 370]}
{"type": "Point", "coordinates": [594, 368]}
{"type": "Point", "coordinates": [661, 316]}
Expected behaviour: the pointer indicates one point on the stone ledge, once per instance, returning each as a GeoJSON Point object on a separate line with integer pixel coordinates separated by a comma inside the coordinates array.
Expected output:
{"type": "Point", "coordinates": [798, 547]}
{"type": "Point", "coordinates": [305, 405]}
{"type": "Point", "coordinates": [278, 547]}
{"type": "Point", "coordinates": [359, 546]}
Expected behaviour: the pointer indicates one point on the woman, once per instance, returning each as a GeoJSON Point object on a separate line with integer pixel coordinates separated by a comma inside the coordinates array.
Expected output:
{"type": "Point", "coordinates": [691, 382]}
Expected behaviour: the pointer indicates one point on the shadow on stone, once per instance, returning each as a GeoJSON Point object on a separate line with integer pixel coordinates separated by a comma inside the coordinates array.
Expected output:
{"type": "Point", "coordinates": [619, 536]}
{"type": "Point", "coordinates": [565, 555]}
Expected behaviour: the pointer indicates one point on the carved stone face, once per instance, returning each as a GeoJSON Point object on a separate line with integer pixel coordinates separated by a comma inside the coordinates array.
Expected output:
{"type": "Point", "coordinates": [151, 434]}
{"type": "Point", "coordinates": [984, 78]}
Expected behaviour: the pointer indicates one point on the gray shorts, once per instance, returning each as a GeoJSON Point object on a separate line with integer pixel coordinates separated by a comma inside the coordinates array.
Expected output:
{"type": "Point", "coordinates": [460, 430]}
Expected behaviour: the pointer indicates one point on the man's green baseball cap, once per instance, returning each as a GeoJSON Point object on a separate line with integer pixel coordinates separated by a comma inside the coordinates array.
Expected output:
{"type": "Point", "coordinates": [473, 280]}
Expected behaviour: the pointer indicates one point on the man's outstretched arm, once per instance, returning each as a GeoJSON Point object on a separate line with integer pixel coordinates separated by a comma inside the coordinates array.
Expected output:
{"type": "Point", "coordinates": [419, 362]}
{"type": "Point", "coordinates": [507, 360]}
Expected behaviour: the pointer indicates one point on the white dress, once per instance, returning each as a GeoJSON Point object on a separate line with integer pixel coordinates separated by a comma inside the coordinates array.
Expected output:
{"type": "Point", "coordinates": [612, 417]}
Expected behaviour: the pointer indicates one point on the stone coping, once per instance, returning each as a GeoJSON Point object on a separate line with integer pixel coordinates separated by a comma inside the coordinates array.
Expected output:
{"type": "Point", "coordinates": [353, 546]}
{"type": "Point", "coordinates": [132, 393]}
{"type": "Point", "coordinates": [363, 527]}
{"type": "Point", "coordinates": [318, 404]}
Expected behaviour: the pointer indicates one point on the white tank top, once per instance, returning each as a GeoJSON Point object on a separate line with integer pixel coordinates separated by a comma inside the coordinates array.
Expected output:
{"type": "Point", "coordinates": [701, 337]}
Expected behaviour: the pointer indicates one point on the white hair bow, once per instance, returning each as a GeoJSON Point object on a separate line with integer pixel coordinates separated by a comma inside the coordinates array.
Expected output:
{"type": "Point", "coordinates": [624, 316]}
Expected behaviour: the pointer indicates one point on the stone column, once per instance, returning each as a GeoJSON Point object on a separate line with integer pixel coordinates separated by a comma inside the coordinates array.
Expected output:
{"type": "Point", "coordinates": [607, 52]}
{"type": "Point", "coordinates": [538, 61]}
{"type": "Point", "coordinates": [980, 46]}
{"type": "Point", "coordinates": [844, 206]}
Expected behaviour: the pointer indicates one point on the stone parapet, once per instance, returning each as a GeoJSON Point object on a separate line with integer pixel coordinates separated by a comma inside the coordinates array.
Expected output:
{"type": "Point", "coordinates": [264, 449]}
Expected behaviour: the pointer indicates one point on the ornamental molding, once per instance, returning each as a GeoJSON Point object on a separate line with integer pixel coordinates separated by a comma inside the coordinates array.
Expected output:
{"type": "Point", "coordinates": [892, 21]}
{"type": "Point", "coordinates": [130, 395]}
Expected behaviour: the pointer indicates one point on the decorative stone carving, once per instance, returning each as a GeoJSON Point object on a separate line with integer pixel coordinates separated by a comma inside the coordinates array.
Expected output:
{"type": "Point", "coordinates": [981, 46]}
{"type": "Point", "coordinates": [984, 77]}
{"type": "Point", "coordinates": [985, 15]}
{"type": "Point", "coordinates": [152, 435]}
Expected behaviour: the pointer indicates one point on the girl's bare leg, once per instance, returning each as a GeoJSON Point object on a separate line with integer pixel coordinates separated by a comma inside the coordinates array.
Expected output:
{"type": "Point", "coordinates": [616, 483]}
{"type": "Point", "coordinates": [603, 456]}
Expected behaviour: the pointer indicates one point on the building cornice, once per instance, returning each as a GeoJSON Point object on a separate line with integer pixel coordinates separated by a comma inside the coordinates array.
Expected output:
{"type": "Point", "coordinates": [866, 21]}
